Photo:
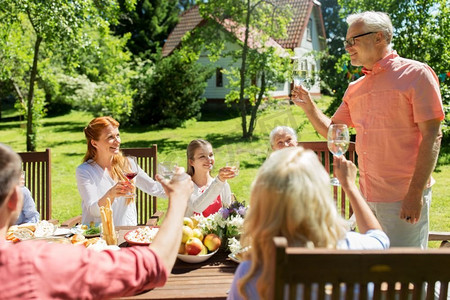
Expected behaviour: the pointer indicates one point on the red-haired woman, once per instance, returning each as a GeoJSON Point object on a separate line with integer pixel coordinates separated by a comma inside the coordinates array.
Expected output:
{"type": "Point", "coordinates": [101, 175]}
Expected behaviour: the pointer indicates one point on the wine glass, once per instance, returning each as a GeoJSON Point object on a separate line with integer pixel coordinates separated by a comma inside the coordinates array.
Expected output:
{"type": "Point", "coordinates": [130, 174]}
{"type": "Point", "coordinates": [167, 169]}
{"type": "Point", "coordinates": [338, 141]}
{"type": "Point", "coordinates": [234, 167]}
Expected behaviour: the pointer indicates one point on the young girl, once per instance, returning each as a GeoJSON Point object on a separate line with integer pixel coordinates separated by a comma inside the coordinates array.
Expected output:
{"type": "Point", "coordinates": [210, 194]}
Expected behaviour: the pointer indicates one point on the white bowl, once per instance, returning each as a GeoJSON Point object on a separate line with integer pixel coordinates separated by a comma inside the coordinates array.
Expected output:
{"type": "Point", "coordinates": [193, 259]}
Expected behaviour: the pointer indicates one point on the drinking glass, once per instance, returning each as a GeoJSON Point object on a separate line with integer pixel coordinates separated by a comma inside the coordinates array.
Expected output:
{"type": "Point", "coordinates": [134, 170]}
{"type": "Point", "coordinates": [167, 169]}
{"type": "Point", "coordinates": [338, 141]}
{"type": "Point", "coordinates": [234, 166]}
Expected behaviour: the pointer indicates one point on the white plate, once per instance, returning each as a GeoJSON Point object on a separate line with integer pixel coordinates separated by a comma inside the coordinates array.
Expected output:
{"type": "Point", "coordinates": [193, 259]}
{"type": "Point", "coordinates": [234, 258]}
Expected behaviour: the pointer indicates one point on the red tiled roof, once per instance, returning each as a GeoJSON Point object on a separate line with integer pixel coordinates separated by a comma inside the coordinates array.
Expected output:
{"type": "Point", "coordinates": [188, 21]}
{"type": "Point", "coordinates": [301, 10]}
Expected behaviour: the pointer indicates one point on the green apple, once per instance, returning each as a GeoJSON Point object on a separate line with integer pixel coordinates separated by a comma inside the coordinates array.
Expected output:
{"type": "Point", "coordinates": [188, 222]}
{"type": "Point", "coordinates": [187, 234]}
{"type": "Point", "coordinates": [198, 233]}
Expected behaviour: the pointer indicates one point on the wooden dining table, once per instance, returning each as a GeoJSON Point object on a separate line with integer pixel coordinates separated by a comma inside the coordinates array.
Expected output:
{"type": "Point", "coordinates": [207, 280]}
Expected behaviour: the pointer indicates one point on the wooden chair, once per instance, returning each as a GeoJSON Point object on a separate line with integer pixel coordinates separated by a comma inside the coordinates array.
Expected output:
{"type": "Point", "coordinates": [146, 205]}
{"type": "Point", "coordinates": [326, 157]}
{"type": "Point", "coordinates": [38, 180]}
{"type": "Point", "coordinates": [396, 273]}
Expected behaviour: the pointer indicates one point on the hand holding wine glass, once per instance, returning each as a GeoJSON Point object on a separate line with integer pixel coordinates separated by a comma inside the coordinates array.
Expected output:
{"type": "Point", "coordinates": [131, 173]}
{"type": "Point", "coordinates": [338, 141]}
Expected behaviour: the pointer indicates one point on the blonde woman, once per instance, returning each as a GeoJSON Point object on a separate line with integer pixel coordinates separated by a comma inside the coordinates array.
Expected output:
{"type": "Point", "coordinates": [291, 197]}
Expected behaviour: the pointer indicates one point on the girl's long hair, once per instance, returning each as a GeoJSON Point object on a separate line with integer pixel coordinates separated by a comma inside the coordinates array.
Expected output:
{"type": "Point", "coordinates": [290, 197]}
{"type": "Point", "coordinates": [194, 145]}
{"type": "Point", "coordinates": [93, 132]}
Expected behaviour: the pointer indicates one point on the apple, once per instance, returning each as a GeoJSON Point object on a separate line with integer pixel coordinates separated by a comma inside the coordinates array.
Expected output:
{"type": "Point", "coordinates": [212, 242]}
{"type": "Point", "coordinates": [187, 234]}
{"type": "Point", "coordinates": [195, 221]}
{"type": "Point", "coordinates": [204, 251]}
{"type": "Point", "coordinates": [188, 222]}
{"type": "Point", "coordinates": [182, 249]}
{"type": "Point", "coordinates": [198, 233]}
{"type": "Point", "coordinates": [193, 246]}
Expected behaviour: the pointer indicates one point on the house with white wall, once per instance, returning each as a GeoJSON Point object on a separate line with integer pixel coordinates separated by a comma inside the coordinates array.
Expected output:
{"type": "Point", "coordinates": [306, 33]}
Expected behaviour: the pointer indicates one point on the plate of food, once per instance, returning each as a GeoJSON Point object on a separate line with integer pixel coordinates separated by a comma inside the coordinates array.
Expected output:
{"type": "Point", "coordinates": [88, 231]}
{"type": "Point", "coordinates": [141, 236]}
{"type": "Point", "coordinates": [193, 259]}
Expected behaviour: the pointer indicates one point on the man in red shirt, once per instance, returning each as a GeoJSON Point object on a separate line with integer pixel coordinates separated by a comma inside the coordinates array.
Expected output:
{"type": "Point", "coordinates": [39, 270]}
{"type": "Point", "coordinates": [396, 110]}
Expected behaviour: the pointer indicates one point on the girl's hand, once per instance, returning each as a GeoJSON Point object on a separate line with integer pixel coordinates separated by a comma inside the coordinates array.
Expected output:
{"type": "Point", "coordinates": [226, 173]}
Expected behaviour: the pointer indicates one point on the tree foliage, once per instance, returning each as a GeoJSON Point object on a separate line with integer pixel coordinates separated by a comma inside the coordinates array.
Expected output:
{"type": "Point", "coordinates": [148, 24]}
{"type": "Point", "coordinates": [262, 67]}
{"type": "Point", "coordinates": [169, 91]}
{"type": "Point", "coordinates": [54, 30]}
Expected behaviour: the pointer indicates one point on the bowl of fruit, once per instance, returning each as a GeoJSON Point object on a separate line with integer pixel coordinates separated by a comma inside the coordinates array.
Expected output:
{"type": "Point", "coordinates": [195, 246]}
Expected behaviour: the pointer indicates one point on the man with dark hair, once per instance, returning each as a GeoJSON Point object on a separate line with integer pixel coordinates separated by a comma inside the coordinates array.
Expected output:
{"type": "Point", "coordinates": [39, 270]}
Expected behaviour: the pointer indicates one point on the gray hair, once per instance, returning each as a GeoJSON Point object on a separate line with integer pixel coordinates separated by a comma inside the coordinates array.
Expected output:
{"type": "Point", "coordinates": [278, 129]}
{"type": "Point", "coordinates": [374, 21]}
{"type": "Point", "coordinates": [10, 166]}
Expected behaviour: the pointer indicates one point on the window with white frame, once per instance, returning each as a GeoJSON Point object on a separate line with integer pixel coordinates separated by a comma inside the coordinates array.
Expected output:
{"type": "Point", "coordinates": [309, 30]}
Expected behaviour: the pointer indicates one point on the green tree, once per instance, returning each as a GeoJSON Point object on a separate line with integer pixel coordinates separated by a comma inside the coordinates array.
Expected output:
{"type": "Point", "coordinates": [169, 91]}
{"type": "Point", "coordinates": [55, 25]}
{"type": "Point", "coordinates": [148, 24]}
{"type": "Point", "coordinates": [254, 23]}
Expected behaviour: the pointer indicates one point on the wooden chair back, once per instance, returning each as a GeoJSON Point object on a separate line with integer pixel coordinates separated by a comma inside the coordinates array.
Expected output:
{"type": "Point", "coordinates": [146, 205]}
{"type": "Point", "coordinates": [38, 179]}
{"type": "Point", "coordinates": [326, 158]}
{"type": "Point", "coordinates": [402, 273]}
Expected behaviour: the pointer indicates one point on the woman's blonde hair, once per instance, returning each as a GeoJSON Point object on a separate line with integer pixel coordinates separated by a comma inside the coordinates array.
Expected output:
{"type": "Point", "coordinates": [93, 132]}
{"type": "Point", "coordinates": [194, 145]}
{"type": "Point", "coordinates": [290, 197]}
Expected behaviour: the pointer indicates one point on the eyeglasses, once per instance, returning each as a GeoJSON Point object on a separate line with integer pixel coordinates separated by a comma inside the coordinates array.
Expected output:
{"type": "Point", "coordinates": [351, 41]}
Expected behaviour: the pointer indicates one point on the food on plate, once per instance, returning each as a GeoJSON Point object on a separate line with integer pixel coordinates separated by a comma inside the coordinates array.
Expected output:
{"type": "Point", "coordinates": [212, 242]}
{"type": "Point", "coordinates": [89, 242]}
{"type": "Point", "coordinates": [29, 226]}
{"type": "Point", "coordinates": [44, 229]}
{"type": "Point", "coordinates": [94, 230]}
{"type": "Point", "coordinates": [141, 235]}
{"type": "Point", "coordinates": [109, 233]}
{"type": "Point", "coordinates": [77, 238]}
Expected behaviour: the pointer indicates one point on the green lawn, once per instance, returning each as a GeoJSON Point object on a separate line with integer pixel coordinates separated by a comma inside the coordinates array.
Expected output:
{"type": "Point", "coordinates": [64, 135]}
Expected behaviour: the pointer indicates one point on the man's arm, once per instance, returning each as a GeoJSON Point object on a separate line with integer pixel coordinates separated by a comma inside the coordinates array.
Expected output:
{"type": "Point", "coordinates": [345, 171]}
{"type": "Point", "coordinates": [317, 118]}
{"type": "Point", "coordinates": [426, 161]}
{"type": "Point", "coordinates": [168, 239]}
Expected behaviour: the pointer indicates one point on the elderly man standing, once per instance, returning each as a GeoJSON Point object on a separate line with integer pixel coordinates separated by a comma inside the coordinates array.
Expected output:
{"type": "Point", "coordinates": [396, 109]}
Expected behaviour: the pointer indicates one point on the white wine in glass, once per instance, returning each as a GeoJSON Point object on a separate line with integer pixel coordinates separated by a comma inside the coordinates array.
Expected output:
{"type": "Point", "coordinates": [338, 141]}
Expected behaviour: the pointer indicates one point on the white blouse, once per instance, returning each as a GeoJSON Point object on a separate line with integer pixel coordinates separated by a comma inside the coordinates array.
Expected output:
{"type": "Point", "coordinates": [200, 200]}
{"type": "Point", "coordinates": [94, 182]}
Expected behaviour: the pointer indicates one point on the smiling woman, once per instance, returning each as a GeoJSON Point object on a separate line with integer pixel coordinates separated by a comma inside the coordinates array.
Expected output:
{"type": "Point", "coordinates": [101, 175]}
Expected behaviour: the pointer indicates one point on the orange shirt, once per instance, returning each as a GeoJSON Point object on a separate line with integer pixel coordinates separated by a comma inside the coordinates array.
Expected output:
{"type": "Point", "coordinates": [384, 107]}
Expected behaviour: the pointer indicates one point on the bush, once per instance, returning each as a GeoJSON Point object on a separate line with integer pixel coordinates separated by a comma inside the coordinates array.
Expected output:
{"type": "Point", "coordinates": [169, 92]}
